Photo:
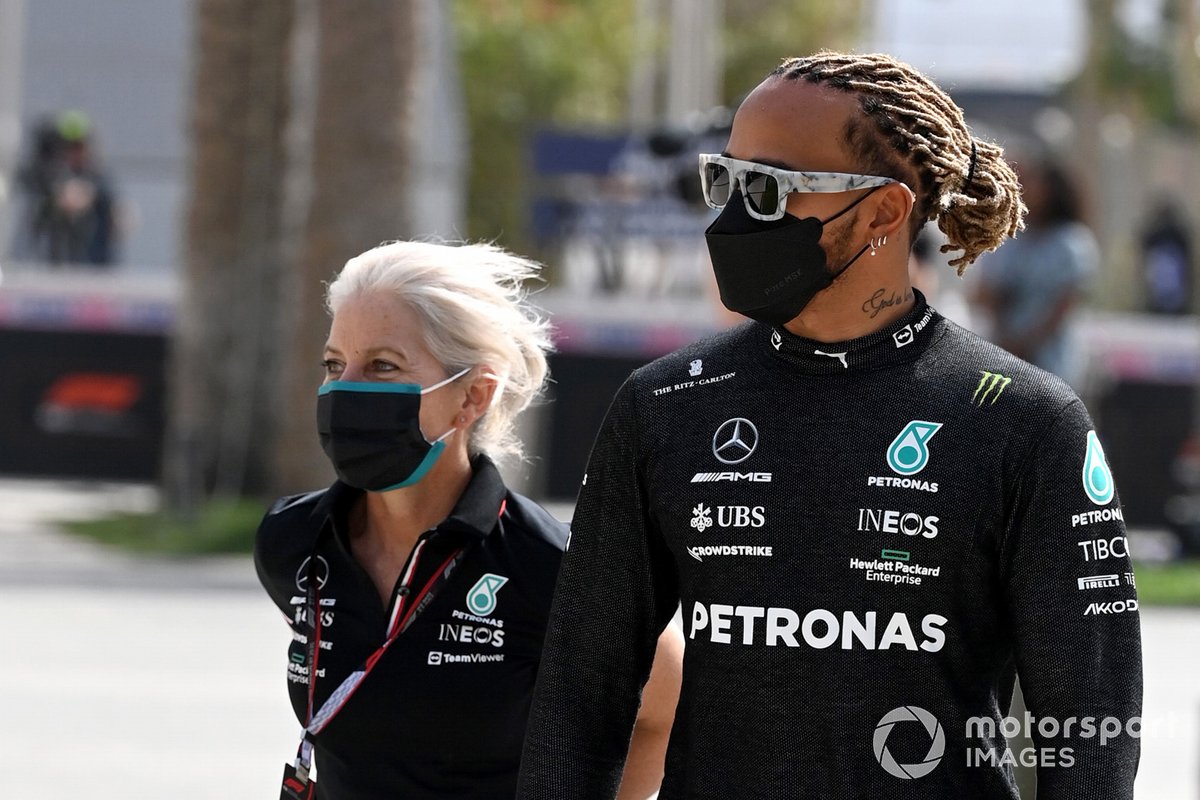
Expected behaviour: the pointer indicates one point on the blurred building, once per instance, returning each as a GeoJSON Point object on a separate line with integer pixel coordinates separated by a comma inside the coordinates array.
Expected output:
{"type": "Point", "coordinates": [86, 352]}
{"type": "Point", "coordinates": [125, 63]}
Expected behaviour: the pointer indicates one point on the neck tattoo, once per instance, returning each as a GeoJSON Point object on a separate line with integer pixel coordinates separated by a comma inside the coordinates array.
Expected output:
{"type": "Point", "coordinates": [877, 302]}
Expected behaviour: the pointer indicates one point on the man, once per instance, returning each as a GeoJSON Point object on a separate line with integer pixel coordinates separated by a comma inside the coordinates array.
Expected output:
{"type": "Point", "coordinates": [1033, 287]}
{"type": "Point", "coordinates": [874, 519]}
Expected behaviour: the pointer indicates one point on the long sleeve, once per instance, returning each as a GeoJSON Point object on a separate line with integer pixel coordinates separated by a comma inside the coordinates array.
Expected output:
{"type": "Point", "coordinates": [1072, 607]}
{"type": "Point", "coordinates": [616, 591]}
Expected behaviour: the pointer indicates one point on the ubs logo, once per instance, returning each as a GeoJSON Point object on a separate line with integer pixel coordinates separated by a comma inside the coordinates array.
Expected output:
{"type": "Point", "coordinates": [735, 440]}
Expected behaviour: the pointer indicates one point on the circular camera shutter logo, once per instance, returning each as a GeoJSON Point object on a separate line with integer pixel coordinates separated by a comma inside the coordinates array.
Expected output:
{"type": "Point", "coordinates": [937, 742]}
{"type": "Point", "coordinates": [322, 573]}
{"type": "Point", "coordinates": [735, 440]}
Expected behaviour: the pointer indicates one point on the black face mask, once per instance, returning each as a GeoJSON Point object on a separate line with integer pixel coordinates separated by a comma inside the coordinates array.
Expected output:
{"type": "Point", "coordinates": [769, 271]}
{"type": "Point", "coordinates": [371, 432]}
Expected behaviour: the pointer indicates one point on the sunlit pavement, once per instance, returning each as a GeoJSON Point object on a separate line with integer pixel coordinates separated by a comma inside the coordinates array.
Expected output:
{"type": "Point", "coordinates": [132, 678]}
{"type": "Point", "coordinates": [149, 679]}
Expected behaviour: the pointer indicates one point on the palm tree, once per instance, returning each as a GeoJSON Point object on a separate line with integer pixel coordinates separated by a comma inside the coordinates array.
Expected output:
{"type": "Point", "coordinates": [222, 378]}
{"type": "Point", "coordinates": [359, 195]}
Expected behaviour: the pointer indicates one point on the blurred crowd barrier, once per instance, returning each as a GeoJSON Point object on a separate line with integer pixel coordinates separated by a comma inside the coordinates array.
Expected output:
{"type": "Point", "coordinates": [84, 357]}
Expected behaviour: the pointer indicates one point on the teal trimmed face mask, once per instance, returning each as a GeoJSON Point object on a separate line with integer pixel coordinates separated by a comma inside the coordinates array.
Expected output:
{"type": "Point", "coordinates": [371, 432]}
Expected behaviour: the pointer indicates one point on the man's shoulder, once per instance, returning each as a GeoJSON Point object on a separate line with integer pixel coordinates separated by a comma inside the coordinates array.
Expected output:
{"type": "Point", "coordinates": [967, 363]}
{"type": "Point", "coordinates": [704, 357]}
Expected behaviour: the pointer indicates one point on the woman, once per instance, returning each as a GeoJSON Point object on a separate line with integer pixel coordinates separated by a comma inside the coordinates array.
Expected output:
{"type": "Point", "coordinates": [418, 586]}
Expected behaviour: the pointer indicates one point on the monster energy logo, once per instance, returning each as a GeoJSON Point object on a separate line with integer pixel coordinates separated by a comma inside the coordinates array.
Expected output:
{"type": "Point", "coordinates": [989, 383]}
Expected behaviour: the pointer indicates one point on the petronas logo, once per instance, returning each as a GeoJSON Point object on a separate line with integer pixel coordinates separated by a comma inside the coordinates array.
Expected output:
{"type": "Point", "coordinates": [481, 599]}
{"type": "Point", "coordinates": [991, 385]}
{"type": "Point", "coordinates": [1097, 477]}
{"type": "Point", "coordinates": [909, 452]}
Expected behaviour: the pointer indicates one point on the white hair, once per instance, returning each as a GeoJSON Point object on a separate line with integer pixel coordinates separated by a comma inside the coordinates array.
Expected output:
{"type": "Point", "coordinates": [473, 308]}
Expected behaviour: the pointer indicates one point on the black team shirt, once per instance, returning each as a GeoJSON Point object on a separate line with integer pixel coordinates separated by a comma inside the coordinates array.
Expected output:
{"type": "Point", "coordinates": [868, 541]}
{"type": "Point", "coordinates": [443, 712]}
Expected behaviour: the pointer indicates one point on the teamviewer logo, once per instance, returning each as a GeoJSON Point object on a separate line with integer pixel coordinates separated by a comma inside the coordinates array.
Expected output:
{"type": "Point", "coordinates": [905, 715]}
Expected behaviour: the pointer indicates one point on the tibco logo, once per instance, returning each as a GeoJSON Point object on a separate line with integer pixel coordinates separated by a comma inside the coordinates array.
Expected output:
{"type": "Point", "coordinates": [818, 628]}
{"type": "Point", "coordinates": [1100, 549]}
{"type": "Point", "coordinates": [910, 524]}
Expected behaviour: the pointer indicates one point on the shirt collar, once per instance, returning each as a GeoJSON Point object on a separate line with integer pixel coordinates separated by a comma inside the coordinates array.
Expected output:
{"type": "Point", "coordinates": [899, 342]}
{"type": "Point", "coordinates": [476, 511]}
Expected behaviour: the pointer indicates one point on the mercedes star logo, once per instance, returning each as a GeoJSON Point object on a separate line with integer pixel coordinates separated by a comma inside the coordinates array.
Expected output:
{"type": "Point", "coordinates": [735, 440]}
{"type": "Point", "coordinates": [322, 573]}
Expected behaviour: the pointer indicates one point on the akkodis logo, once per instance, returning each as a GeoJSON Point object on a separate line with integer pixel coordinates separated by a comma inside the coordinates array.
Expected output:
{"type": "Point", "coordinates": [909, 452]}
{"type": "Point", "coordinates": [937, 742]}
{"type": "Point", "coordinates": [1097, 477]}
{"type": "Point", "coordinates": [481, 599]}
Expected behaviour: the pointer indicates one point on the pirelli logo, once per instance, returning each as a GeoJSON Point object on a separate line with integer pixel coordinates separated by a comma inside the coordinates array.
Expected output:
{"type": "Point", "coordinates": [1099, 582]}
{"type": "Point", "coordinates": [732, 477]}
{"type": "Point", "coordinates": [991, 385]}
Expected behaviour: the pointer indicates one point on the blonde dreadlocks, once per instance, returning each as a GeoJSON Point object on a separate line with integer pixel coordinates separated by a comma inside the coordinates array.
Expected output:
{"type": "Point", "coordinates": [914, 132]}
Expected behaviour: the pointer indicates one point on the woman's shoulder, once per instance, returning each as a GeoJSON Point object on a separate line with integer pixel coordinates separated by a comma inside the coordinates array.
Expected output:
{"type": "Point", "coordinates": [535, 524]}
{"type": "Point", "coordinates": [292, 517]}
{"type": "Point", "coordinates": [285, 537]}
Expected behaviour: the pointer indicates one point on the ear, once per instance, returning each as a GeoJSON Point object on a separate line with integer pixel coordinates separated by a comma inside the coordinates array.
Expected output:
{"type": "Point", "coordinates": [480, 392]}
{"type": "Point", "coordinates": [892, 209]}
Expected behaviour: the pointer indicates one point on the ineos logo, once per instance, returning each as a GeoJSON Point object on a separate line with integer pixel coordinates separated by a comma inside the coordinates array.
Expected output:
{"type": "Point", "coordinates": [322, 573]}
{"type": "Point", "coordinates": [735, 440]}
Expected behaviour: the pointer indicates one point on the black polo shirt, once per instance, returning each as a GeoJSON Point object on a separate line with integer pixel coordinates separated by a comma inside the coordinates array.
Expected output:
{"type": "Point", "coordinates": [443, 712]}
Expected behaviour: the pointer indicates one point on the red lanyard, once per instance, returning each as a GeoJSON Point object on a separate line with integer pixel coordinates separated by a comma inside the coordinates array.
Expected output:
{"type": "Point", "coordinates": [404, 613]}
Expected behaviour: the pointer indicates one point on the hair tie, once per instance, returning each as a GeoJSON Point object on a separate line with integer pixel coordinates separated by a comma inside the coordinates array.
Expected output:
{"type": "Point", "coordinates": [971, 169]}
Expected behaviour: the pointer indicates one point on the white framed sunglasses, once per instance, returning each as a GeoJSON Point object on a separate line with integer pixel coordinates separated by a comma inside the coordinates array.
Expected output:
{"type": "Point", "coordinates": [765, 188]}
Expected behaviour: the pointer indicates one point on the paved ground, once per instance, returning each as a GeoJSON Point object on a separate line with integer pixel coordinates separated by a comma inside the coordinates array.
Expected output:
{"type": "Point", "coordinates": [148, 679]}
{"type": "Point", "coordinates": [132, 678]}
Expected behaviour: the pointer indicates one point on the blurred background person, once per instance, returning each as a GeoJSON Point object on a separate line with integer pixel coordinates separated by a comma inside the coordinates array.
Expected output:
{"type": "Point", "coordinates": [1031, 287]}
{"type": "Point", "coordinates": [418, 586]}
{"type": "Point", "coordinates": [1166, 254]}
{"type": "Point", "coordinates": [69, 215]}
